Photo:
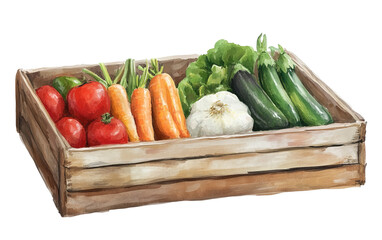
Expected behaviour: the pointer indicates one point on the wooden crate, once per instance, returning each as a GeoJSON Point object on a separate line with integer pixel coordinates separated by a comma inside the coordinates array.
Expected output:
{"type": "Point", "coordinates": [118, 176]}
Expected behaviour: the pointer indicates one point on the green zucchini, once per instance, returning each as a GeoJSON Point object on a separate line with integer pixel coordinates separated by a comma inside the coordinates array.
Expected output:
{"type": "Point", "coordinates": [271, 84]}
{"type": "Point", "coordinates": [264, 112]}
{"type": "Point", "coordinates": [311, 112]}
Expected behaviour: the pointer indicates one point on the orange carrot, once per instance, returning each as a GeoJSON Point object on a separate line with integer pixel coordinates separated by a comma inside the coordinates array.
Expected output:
{"type": "Point", "coordinates": [168, 116]}
{"type": "Point", "coordinates": [120, 108]}
{"type": "Point", "coordinates": [175, 106]}
{"type": "Point", "coordinates": [141, 110]}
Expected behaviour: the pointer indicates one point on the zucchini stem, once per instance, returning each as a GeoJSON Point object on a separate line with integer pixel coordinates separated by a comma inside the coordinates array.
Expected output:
{"type": "Point", "coordinates": [264, 58]}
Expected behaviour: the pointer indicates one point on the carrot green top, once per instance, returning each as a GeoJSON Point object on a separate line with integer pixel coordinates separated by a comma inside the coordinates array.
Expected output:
{"type": "Point", "coordinates": [131, 80]}
{"type": "Point", "coordinates": [127, 76]}
{"type": "Point", "coordinates": [107, 82]}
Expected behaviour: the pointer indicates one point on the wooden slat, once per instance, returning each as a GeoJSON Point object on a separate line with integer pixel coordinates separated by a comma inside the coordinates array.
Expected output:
{"type": "Point", "coordinates": [49, 156]}
{"type": "Point", "coordinates": [265, 141]}
{"type": "Point", "coordinates": [17, 96]}
{"type": "Point", "coordinates": [62, 186]}
{"type": "Point", "coordinates": [39, 131]}
{"type": "Point", "coordinates": [34, 150]}
{"type": "Point", "coordinates": [270, 183]}
{"type": "Point", "coordinates": [237, 164]}
{"type": "Point", "coordinates": [362, 161]}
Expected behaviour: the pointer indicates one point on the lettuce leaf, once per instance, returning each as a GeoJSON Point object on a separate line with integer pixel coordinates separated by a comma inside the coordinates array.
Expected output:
{"type": "Point", "coordinates": [218, 75]}
{"type": "Point", "coordinates": [187, 95]}
{"type": "Point", "coordinates": [212, 72]}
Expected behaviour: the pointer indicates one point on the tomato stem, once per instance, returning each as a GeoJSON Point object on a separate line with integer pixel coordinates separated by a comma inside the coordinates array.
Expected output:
{"type": "Point", "coordinates": [106, 118]}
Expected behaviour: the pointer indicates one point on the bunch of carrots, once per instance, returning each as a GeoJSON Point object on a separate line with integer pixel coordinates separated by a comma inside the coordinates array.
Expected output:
{"type": "Point", "coordinates": [148, 104]}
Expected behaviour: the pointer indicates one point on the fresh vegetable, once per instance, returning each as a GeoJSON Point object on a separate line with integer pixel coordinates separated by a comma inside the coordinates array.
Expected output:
{"type": "Point", "coordinates": [219, 114]}
{"type": "Point", "coordinates": [271, 84]}
{"type": "Point", "coordinates": [129, 80]}
{"type": "Point", "coordinates": [106, 130]}
{"type": "Point", "coordinates": [120, 106]}
{"type": "Point", "coordinates": [88, 101]}
{"type": "Point", "coordinates": [63, 84]}
{"type": "Point", "coordinates": [73, 132]}
{"type": "Point", "coordinates": [212, 72]}
{"type": "Point", "coordinates": [312, 113]}
{"type": "Point", "coordinates": [263, 111]}
{"type": "Point", "coordinates": [169, 120]}
{"type": "Point", "coordinates": [52, 101]}
{"type": "Point", "coordinates": [141, 101]}
{"type": "Point", "coordinates": [141, 110]}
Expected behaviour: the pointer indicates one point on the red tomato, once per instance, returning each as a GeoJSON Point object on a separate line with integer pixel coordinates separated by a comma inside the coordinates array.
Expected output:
{"type": "Point", "coordinates": [73, 132]}
{"type": "Point", "coordinates": [52, 101]}
{"type": "Point", "coordinates": [106, 130]}
{"type": "Point", "coordinates": [88, 102]}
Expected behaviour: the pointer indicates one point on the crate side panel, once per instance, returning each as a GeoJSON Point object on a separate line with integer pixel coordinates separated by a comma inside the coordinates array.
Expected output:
{"type": "Point", "coordinates": [334, 134]}
{"type": "Point", "coordinates": [36, 154]}
{"type": "Point", "coordinates": [50, 155]}
{"type": "Point", "coordinates": [38, 129]}
{"type": "Point", "coordinates": [228, 165]}
{"type": "Point", "coordinates": [17, 98]}
{"type": "Point", "coordinates": [270, 183]}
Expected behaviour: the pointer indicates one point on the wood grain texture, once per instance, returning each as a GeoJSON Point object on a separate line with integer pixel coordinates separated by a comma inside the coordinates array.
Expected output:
{"type": "Point", "coordinates": [261, 141]}
{"type": "Point", "coordinates": [268, 183]}
{"type": "Point", "coordinates": [62, 185]}
{"type": "Point", "coordinates": [34, 150]}
{"type": "Point", "coordinates": [362, 161]}
{"type": "Point", "coordinates": [47, 148]}
{"type": "Point", "coordinates": [50, 155]}
{"type": "Point", "coordinates": [17, 98]}
{"type": "Point", "coordinates": [236, 164]}
{"type": "Point", "coordinates": [41, 137]}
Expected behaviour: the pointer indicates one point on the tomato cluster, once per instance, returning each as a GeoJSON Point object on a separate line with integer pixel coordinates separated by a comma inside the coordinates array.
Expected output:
{"type": "Point", "coordinates": [86, 106]}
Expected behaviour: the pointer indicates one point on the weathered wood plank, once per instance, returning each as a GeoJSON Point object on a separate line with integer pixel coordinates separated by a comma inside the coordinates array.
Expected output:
{"type": "Point", "coordinates": [270, 183]}
{"type": "Point", "coordinates": [46, 146]}
{"type": "Point", "coordinates": [49, 154]}
{"type": "Point", "coordinates": [17, 96]}
{"type": "Point", "coordinates": [62, 185]}
{"type": "Point", "coordinates": [34, 150]}
{"type": "Point", "coordinates": [228, 165]}
{"type": "Point", "coordinates": [262, 141]}
{"type": "Point", "coordinates": [362, 161]}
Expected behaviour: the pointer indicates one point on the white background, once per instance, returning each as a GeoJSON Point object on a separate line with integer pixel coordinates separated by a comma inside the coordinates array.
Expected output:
{"type": "Point", "coordinates": [340, 41]}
